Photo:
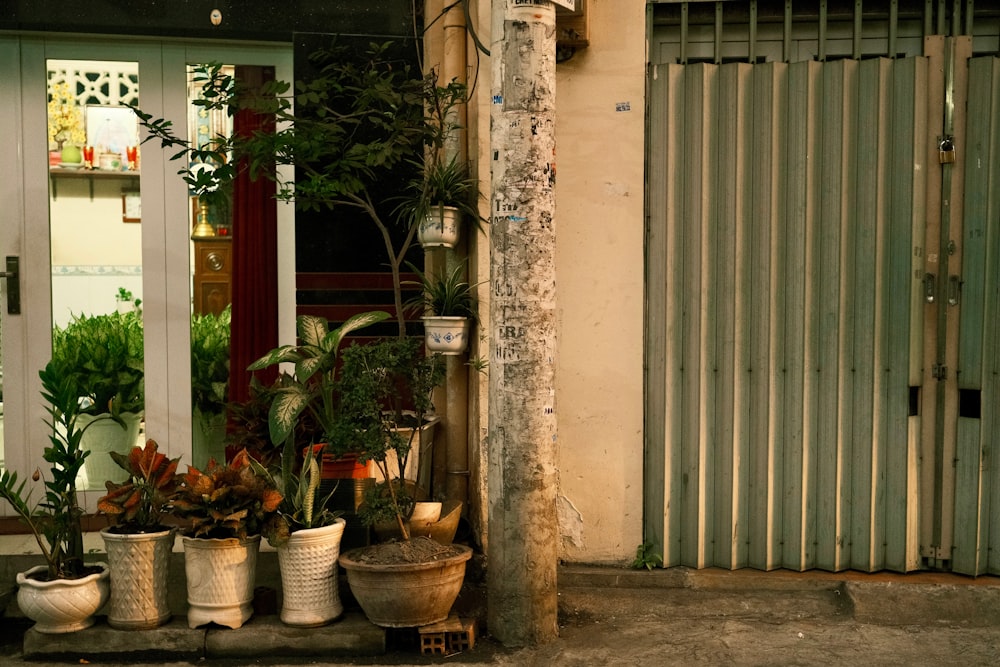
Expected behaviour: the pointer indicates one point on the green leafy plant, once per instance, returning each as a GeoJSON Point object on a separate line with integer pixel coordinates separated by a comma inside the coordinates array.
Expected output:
{"type": "Point", "coordinates": [226, 501]}
{"type": "Point", "coordinates": [137, 505]}
{"type": "Point", "coordinates": [210, 338]}
{"type": "Point", "coordinates": [439, 182]}
{"type": "Point", "coordinates": [645, 557]}
{"type": "Point", "coordinates": [385, 389]}
{"type": "Point", "coordinates": [312, 386]}
{"type": "Point", "coordinates": [105, 353]}
{"type": "Point", "coordinates": [301, 507]}
{"type": "Point", "coordinates": [126, 296]}
{"type": "Point", "coordinates": [446, 294]}
{"type": "Point", "coordinates": [55, 520]}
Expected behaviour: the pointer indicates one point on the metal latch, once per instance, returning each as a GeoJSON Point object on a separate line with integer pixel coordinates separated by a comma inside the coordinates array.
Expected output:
{"type": "Point", "coordinates": [929, 287]}
{"type": "Point", "coordinates": [13, 276]}
{"type": "Point", "coordinates": [939, 371]}
{"type": "Point", "coordinates": [954, 290]}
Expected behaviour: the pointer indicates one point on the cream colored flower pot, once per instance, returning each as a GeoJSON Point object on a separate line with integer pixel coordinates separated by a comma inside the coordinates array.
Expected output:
{"type": "Point", "coordinates": [440, 227]}
{"type": "Point", "coordinates": [140, 565]}
{"type": "Point", "coordinates": [309, 581]}
{"type": "Point", "coordinates": [220, 580]}
{"type": "Point", "coordinates": [446, 334]}
{"type": "Point", "coordinates": [63, 605]}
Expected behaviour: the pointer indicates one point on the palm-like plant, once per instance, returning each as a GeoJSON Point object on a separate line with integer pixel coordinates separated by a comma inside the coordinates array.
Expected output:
{"type": "Point", "coordinates": [445, 294]}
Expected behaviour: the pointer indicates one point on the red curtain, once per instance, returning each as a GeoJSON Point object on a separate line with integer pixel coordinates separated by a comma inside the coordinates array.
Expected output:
{"type": "Point", "coordinates": [255, 260]}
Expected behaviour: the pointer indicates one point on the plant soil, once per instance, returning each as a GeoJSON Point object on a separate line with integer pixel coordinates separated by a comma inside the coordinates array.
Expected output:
{"type": "Point", "coordinates": [416, 550]}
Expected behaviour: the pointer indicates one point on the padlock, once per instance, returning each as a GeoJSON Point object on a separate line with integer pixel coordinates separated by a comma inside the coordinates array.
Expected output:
{"type": "Point", "coordinates": [946, 150]}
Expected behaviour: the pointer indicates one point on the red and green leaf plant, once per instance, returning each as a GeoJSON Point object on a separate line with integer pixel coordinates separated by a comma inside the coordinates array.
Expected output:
{"type": "Point", "coordinates": [137, 505]}
{"type": "Point", "coordinates": [226, 501]}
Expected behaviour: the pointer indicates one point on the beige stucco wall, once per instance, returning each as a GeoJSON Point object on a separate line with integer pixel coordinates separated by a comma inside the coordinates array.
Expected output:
{"type": "Point", "coordinates": [599, 262]}
{"type": "Point", "coordinates": [599, 268]}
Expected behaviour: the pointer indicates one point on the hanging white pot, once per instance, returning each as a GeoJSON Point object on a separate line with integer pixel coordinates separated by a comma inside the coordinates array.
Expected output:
{"type": "Point", "coordinates": [309, 581]}
{"type": "Point", "coordinates": [220, 579]}
{"type": "Point", "coordinates": [446, 334]}
{"type": "Point", "coordinates": [440, 227]}
{"type": "Point", "coordinates": [139, 564]}
{"type": "Point", "coordinates": [63, 605]}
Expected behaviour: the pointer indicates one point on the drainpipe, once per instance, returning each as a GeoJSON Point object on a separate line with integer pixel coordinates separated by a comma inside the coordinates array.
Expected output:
{"type": "Point", "coordinates": [452, 459]}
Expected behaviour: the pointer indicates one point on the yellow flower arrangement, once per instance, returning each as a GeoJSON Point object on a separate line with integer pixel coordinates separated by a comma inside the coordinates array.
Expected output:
{"type": "Point", "coordinates": [65, 119]}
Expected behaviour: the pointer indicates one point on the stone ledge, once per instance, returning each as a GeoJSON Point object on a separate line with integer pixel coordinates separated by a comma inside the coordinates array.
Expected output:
{"type": "Point", "coordinates": [351, 635]}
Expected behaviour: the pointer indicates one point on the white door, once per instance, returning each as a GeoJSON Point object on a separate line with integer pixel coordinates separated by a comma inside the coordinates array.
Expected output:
{"type": "Point", "coordinates": [77, 242]}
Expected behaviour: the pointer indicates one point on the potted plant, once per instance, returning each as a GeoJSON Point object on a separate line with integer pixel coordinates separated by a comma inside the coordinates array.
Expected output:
{"type": "Point", "coordinates": [138, 543]}
{"type": "Point", "coordinates": [105, 352]}
{"type": "Point", "coordinates": [307, 535]}
{"type": "Point", "coordinates": [210, 337]}
{"type": "Point", "coordinates": [448, 304]}
{"type": "Point", "coordinates": [226, 507]}
{"type": "Point", "coordinates": [310, 391]}
{"type": "Point", "coordinates": [64, 594]}
{"type": "Point", "coordinates": [438, 198]}
{"type": "Point", "coordinates": [384, 386]}
{"type": "Point", "coordinates": [65, 122]}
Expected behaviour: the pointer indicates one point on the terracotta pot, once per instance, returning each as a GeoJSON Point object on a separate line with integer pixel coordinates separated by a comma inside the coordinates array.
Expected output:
{"type": "Point", "coordinates": [409, 594]}
{"type": "Point", "coordinates": [309, 576]}
{"type": "Point", "coordinates": [63, 605]}
{"type": "Point", "coordinates": [440, 527]}
{"type": "Point", "coordinates": [140, 565]}
{"type": "Point", "coordinates": [220, 580]}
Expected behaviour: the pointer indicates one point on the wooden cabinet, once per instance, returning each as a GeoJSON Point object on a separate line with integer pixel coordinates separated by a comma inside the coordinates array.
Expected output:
{"type": "Point", "coordinates": [213, 274]}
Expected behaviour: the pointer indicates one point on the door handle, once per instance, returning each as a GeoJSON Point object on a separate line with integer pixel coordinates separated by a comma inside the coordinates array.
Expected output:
{"type": "Point", "coordinates": [13, 276]}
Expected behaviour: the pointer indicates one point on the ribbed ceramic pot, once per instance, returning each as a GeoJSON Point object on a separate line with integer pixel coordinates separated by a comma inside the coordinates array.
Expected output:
{"type": "Point", "coordinates": [440, 227]}
{"type": "Point", "coordinates": [309, 581]}
{"type": "Point", "coordinates": [406, 595]}
{"type": "Point", "coordinates": [220, 579]}
{"type": "Point", "coordinates": [140, 565]}
{"type": "Point", "coordinates": [63, 605]}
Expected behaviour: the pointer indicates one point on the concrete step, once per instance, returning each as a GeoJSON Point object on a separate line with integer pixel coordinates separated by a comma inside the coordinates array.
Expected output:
{"type": "Point", "coordinates": [922, 598]}
{"type": "Point", "coordinates": [351, 635]}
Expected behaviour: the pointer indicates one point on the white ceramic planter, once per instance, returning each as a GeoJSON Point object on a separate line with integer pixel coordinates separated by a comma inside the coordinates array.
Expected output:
{"type": "Point", "coordinates": [448, 335]}
{"type": "Point", "coordinates": [309, 581]}
{"type": "Point", "coordinates": [140, 565]}
{"type": "Point", "coordinates": [220, 580]}
{"type": "Point", "coordinates": [63, 605]}
{"type": "Point", "coordinates": [105, 436]}
{"type": "Point", "coordinates": [440, 227]}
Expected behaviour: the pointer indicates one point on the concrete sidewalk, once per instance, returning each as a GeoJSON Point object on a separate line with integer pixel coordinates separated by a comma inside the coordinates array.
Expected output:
{"type": "Point", "coordinates": [611, 616]}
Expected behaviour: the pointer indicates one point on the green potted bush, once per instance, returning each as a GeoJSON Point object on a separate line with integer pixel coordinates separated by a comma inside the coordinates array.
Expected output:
{"type": "Point", "coordinates": [64, 594]}
{"type": "Point", "coordinates": [210, 338]}
{"type": "Point", "coordinates": [447, 303]}
{"type": "Point", "coordinates": [225, 507]}
{"type": "Point", "coordinates": [105, 353]}
{"type": "Point", "coordinates": [138, 543]}
{"type": "Point", "coordinates": [385, 392]}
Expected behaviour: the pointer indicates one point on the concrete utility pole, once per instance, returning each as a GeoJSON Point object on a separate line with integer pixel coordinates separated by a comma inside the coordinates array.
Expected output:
{"type": "Point", "coordinates": [523, 528]}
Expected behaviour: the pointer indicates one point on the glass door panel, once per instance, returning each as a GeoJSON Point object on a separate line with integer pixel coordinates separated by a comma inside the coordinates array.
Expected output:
{"type": "Point", "coordinates": [95, 229]}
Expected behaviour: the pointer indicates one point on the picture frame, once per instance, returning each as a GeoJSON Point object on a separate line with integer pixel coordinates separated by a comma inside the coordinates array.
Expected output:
{"type": "Point", "coordinates": [131, 207]}
{"type": "Point", "coordinates": [112, 128]}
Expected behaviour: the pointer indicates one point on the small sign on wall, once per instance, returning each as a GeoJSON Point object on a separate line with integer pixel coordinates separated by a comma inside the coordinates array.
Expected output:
{"type": "Point", "coordinates": [567, 4]}
{"type": "Point", "coordinates": [131, 207]}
